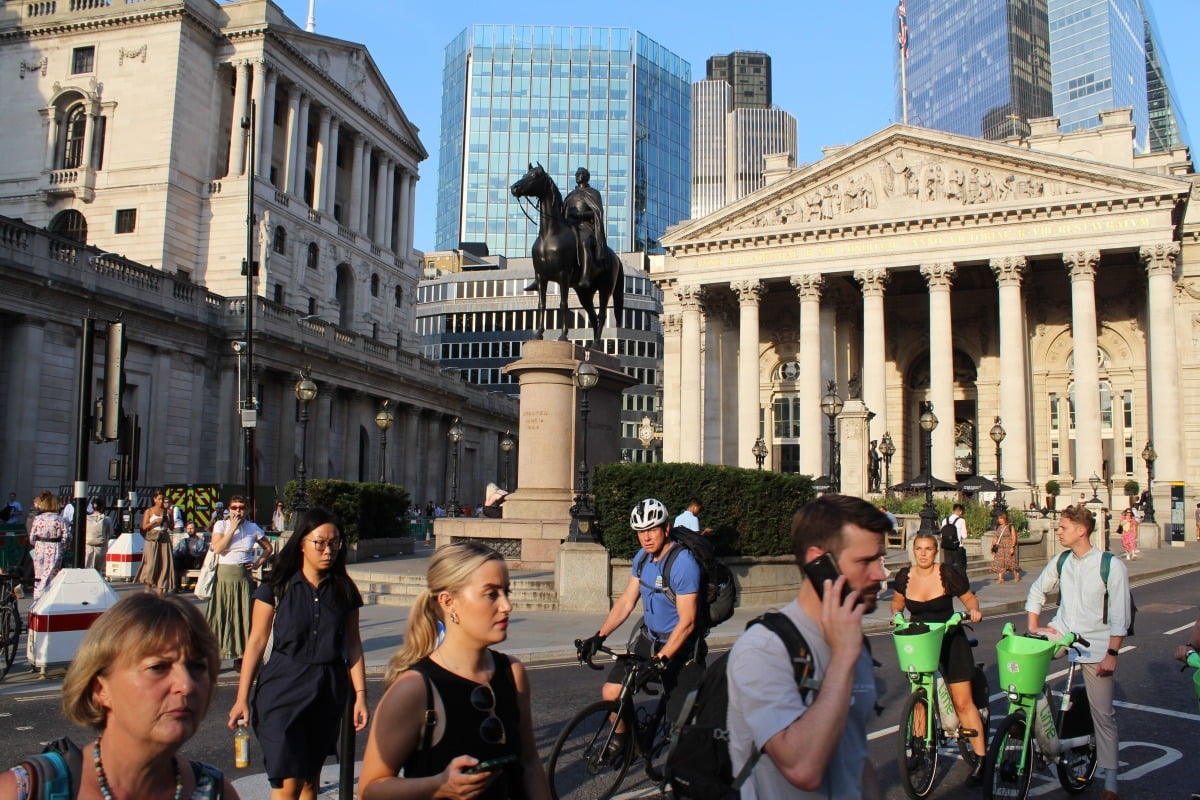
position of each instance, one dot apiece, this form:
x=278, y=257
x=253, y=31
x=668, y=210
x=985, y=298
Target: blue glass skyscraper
x=609, y=99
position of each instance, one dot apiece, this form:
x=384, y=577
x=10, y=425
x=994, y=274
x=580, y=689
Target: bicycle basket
x=1023, y=662
x=919, y=646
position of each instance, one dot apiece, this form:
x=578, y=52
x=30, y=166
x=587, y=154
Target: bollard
x=346, y=749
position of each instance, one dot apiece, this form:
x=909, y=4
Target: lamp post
x=582, y=516
x=887, y=449
x=831, y=406
x=506, y=446
x=760, y=451
x=455, y=435
x=998, y=433
x=306, y=392
x=384, y=420
x=1148, y=455
x=1095, y=482
x=928, y=514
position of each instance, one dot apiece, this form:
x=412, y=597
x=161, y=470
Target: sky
x=832, y=61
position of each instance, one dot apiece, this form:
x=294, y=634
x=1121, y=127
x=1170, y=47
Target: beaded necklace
x=106, y=791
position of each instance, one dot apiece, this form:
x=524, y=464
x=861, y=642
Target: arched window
x=280, y=243
x=75, y=129
x=70, y=224
x=399, y=296
x=314, y=255
x=344, y=293
x=375, y=284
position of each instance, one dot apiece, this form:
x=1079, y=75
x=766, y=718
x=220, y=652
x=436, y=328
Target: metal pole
x=83, y=432
x=383, y=455
x=248, y=397
x=300, y=500
x=346, y=749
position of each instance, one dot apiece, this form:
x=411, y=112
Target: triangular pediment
x=905, y=173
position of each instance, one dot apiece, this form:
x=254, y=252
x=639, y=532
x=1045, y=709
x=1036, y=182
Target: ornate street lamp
x=384, y=420
x=1148, y=455
x=582, y=516
x=831, y=406
x=1095, y=482
x=760, y=451
x=928, y=513
x=455, y=435
x=506, y=445
x=306, y=392
x=887, y=449
x=998, y=433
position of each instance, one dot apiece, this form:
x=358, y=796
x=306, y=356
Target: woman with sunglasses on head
x=479, y=697
x=228, y=611
x=309, y=611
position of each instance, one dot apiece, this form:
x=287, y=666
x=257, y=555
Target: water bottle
x=946, y=706
x=1044, y=728
x=241, y=745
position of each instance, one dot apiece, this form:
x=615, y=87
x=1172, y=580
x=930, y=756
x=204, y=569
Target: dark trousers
x=957, y=559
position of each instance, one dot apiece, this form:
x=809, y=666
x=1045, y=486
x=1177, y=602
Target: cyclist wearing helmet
x=668, y=631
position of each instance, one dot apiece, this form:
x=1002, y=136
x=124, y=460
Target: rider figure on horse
x=585, y=212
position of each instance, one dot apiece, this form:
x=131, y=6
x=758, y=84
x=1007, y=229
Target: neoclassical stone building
x=1051, y=282
x=128, y=163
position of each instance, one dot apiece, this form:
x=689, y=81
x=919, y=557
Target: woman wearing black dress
x=927, y=589
x=310, y=606
x=479, y=697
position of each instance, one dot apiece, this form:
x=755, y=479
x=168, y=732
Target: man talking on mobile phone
x=814, y=743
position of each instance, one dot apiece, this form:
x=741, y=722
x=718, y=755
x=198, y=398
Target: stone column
x=89, y=134
x=690, y=367
x=1166, y=421
x=329, y=196
x=353, y=218
x=809, y=287
x=364, y=202
x=412, y=204
x=729, y=389
x=258, y=88
x=715, y=322
x=874, y=387
x=748, y=293
x=297, y=178
x=237, y=136
x=50, y=117
x=266, y=125
x=320, y=159
x=1013, y=392
x=389, y=204
x=320, y=432
x=941, y=367
x=1082, y=268
x=403, y=245
x=670, y=321
x=411, y=416
x=291, y=159
x=377, y=235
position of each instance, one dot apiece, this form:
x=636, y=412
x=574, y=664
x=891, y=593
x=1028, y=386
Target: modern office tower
x=1103, y=55
x=729, y=145
x=747, y=72
x=974, y=67
x=609, y=99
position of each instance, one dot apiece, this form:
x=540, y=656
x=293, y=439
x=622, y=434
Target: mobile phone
x=491, y=765
x=824, y=568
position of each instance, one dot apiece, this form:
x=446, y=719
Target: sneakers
x=975, y=776
x=615, y=749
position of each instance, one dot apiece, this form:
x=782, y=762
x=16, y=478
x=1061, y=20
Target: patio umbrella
x=822, y=483
x=917, y=483
x=978, y=483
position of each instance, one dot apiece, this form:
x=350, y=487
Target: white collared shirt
x=1081, y=600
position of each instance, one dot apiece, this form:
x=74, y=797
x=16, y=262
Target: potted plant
x=1131, y=491
x=1053, y=490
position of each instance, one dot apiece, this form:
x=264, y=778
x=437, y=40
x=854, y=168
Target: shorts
x=957, y=663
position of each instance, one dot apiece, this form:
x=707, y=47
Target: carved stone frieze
x=671, y=323
x=132, y=53
x=35, y=66
x=689, y=296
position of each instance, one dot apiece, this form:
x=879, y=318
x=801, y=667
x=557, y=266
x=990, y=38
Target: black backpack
x=698, y=765
x=719, y=598
x=949, y=535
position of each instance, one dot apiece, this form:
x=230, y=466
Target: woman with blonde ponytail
x=479, y=698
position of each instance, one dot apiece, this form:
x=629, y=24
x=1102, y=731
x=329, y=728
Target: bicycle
x=926, y=725
x=10, y=623
x=1033, y=736
x=582, y=763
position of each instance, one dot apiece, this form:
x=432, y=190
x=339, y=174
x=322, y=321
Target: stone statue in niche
x=873, y=468
x=854, y=386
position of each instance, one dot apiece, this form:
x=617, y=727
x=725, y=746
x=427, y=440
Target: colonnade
x=376, y=202
x=693, y=305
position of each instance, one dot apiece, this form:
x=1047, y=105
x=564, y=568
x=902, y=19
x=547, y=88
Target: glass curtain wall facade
x=1167, y=127
x=609, y=99
x=976, y=67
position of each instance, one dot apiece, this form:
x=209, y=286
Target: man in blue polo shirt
x=669, y=631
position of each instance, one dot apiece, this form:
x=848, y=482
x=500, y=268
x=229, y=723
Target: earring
x=454, y=617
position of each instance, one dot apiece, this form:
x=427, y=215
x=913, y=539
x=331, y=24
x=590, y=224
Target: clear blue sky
x=832, y=61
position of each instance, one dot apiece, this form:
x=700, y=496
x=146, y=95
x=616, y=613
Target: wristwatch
x=1114, y=653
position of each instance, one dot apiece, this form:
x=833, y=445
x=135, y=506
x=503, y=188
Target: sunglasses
x=237, y=508
x=491, y=730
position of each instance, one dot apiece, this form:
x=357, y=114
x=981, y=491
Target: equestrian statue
x=571, y=249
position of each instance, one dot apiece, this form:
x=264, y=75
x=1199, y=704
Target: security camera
x=238, y=346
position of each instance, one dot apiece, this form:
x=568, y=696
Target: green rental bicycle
x=1034, y=734
x=929, y=719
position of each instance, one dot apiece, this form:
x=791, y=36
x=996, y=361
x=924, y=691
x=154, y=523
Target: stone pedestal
x=582, y=577
x=1149, y=536
x=853, y=428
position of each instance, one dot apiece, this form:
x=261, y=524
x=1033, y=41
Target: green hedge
x=977, y=516
x=367, y=510
x=749, y=510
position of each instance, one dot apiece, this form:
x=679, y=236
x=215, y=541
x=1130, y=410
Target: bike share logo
x=1014, y=667
x=908, y=649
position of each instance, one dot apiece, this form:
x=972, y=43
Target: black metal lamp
x=384, y=420
x=760, y=451
x=455, y=435
x=998, y=433
x=506, y=445
x=1148, y=455
x=831, y=406
x=929, y=515
x=887, y=449
x=305, y=391
x=582, y=517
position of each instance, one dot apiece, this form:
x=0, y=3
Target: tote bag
x=207, y=579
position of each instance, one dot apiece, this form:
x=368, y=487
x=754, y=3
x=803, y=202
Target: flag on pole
x=902, y=36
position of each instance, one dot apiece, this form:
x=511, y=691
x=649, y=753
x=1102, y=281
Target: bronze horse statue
x=556, y=258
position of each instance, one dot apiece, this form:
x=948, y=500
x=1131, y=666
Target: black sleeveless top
x=461, y=736
x=940, y=608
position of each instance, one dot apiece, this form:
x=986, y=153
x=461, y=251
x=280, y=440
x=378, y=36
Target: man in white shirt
x=689, y=517
x=957, y=558
x=1082, y=610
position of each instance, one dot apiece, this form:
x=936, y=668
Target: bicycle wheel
x=918, y=752
x=1004, y=775
x=10, y=633
x=1077, y=766
x=579, y=768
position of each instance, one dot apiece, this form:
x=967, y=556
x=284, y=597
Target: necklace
x=107, y=793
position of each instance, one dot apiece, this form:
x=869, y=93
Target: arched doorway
x=344, y=293
x=964, y=420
